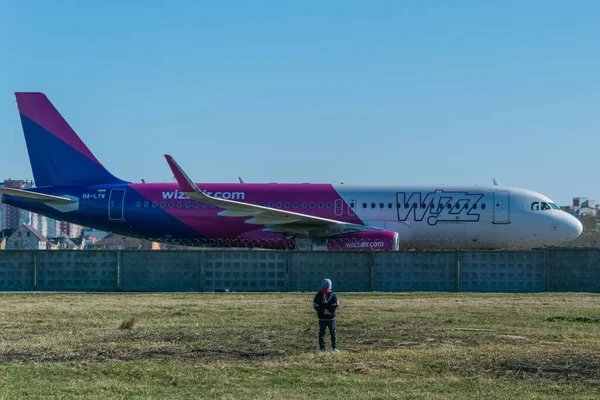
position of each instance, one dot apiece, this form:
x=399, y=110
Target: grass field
x=229, y=345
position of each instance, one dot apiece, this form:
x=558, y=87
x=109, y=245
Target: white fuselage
x=475, y=217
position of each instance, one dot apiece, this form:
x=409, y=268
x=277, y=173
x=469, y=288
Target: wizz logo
x=438, y=206
x=177, y=195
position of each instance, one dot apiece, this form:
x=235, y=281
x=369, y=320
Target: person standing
x=326, y=304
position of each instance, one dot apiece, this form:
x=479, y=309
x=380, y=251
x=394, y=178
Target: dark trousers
x=323, y=325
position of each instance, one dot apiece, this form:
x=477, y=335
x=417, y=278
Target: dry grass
x=128, y=323
x=230, y=345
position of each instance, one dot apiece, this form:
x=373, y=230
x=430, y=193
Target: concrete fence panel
x=415, y=271
x=350, y=271
x=161, y=271
x=245, y=271
x=503, y=271
x=87, y=271
x=17, y=270
x=574, y=270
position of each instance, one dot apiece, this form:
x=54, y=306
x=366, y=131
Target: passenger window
x=474, y=207
x=312, y=204
x=545, y=206
x=398, y=205
x=195, y=204
x=295, y=204
x=203, y=205
x=483, y=206
x=278, y=204
x=405, y=205
x=389, y=205
x=372, y=205
x=466, y=206
x=456, y=206
x=329, y=205
x=414, y=205
x=423, y=205
x=380, y=205
x=271, y=204
x=320, y=205
x=178, y=204
x=187, y=204
x=146, y=204
x=431, y=206
x=262, y=203
x=364, y=205
x=303, y=204
x=138, y=204
x=351, y=205
x=287, y=205
x=171, y=204
x=440, y=206
x=163, y=204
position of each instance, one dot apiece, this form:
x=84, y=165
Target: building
x=26, y=237
x=118, y=242
x=69, y=230
x=62, y=243
x=583, y=207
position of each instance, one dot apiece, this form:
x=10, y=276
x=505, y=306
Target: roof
x=63, y=239
x=35, y=232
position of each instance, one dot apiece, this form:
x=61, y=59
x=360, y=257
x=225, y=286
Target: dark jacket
x=326, y=304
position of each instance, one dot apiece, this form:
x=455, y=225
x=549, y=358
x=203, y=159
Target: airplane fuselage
x=442, y=217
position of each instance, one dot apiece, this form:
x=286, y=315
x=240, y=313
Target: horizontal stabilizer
x=33, y=196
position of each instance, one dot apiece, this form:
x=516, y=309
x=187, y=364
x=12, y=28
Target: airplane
x=72, y=185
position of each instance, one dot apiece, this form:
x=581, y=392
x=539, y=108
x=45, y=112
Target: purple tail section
x=58, y=156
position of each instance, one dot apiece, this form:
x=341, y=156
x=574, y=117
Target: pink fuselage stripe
x=205, y=220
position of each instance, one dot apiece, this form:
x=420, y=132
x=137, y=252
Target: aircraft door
x=116, y=202
x=338, y=207
x=501, y=207
x=352, y=207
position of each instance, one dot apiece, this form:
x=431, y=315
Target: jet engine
x=369, y=240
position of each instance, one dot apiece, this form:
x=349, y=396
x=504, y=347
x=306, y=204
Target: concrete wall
x=161, y=271
x=17, y=270
x=245, y=271
x=89, y=271
x=412, y=271
x=495, y=271
x=574, y=270
x=349, y=272
x=249, y=270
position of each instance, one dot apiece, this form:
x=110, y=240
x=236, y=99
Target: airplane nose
x=572, y=227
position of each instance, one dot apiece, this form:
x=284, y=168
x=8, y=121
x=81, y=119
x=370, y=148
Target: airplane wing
x=33, y=196
x=275, y=220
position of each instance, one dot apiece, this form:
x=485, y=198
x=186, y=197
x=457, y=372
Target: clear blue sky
x=388, y=92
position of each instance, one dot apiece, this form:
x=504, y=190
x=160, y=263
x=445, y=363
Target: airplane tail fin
x=58, y=156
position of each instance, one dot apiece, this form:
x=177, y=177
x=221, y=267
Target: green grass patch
x=233, y=345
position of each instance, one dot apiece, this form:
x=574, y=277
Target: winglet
x=184, y=181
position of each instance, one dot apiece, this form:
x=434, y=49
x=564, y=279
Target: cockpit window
x=537, y=206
